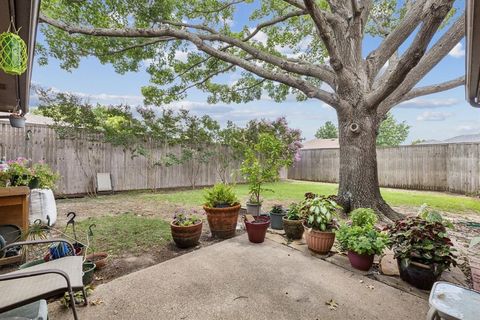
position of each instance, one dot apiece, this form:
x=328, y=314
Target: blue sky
x=437, y=116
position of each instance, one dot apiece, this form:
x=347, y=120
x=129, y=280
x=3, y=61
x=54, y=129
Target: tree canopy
x=327, y=131
x=274, y=44
x=308, y=49
x=390, y=133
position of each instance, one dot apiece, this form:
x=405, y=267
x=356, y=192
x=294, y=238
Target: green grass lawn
x=126, y=233
x=289, y=191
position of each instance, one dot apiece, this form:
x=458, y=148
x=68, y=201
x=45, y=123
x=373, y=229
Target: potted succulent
x=186, y=228
x=276, y=217
x=222, y=207
x=319, y=223
x=293, y=223
x=422, y=248
x=360, y=239
x=257, y=228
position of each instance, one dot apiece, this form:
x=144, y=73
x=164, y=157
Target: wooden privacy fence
x=440, y=167
x=80, y=159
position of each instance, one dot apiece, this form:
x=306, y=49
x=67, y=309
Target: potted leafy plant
x=293, y=223
x=257, y=228
x=276, y=217
x=261, y=165
x=186, y=228
x=422, y=248
x=360, y=239
x=222, y=207
x=319, y=223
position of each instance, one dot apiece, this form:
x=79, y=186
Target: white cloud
x=434, y=116
x=468, y=128
x=458, y=51
x=181, y=55
x=423, y=103
x=260, y=37
x=101, y=98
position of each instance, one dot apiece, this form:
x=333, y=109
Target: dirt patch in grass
x=134, y=232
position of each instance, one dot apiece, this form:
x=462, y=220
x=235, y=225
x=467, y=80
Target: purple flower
x=298, y=157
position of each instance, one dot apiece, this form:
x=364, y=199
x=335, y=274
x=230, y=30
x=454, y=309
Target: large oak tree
x=312, y=49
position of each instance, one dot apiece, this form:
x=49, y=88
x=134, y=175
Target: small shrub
x=277, y=208
x=319, y=213
x=423, y=239
x=363, y=217
x=220, y=194
x=183, y=218
x=362, y=240
x=293, y=212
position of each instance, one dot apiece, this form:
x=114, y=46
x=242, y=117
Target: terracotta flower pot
x=222, y=221
x=417, y=276
x=99, y=258
x=186, y=237
x=360, y=261
x=293, y=228
x=319, y=241
x=258, y=229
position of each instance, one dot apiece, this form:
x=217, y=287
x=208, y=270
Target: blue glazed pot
x=276, y=220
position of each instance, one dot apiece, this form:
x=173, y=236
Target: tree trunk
x=358, y=179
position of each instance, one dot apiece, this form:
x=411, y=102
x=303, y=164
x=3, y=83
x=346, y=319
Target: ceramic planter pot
x=88, y=270
x=254, y=209
x=222, y=221
x=360, y=261
x=319, y=241
x=99, y=258
x=276, y=220
x=188, y=236
x=417, y=276
x=257, y=229
x=17, y=122
x=293, y=228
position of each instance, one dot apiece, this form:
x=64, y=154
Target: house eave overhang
x=25, y=16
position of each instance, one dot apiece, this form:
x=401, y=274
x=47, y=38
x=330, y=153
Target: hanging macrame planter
x=13, y=52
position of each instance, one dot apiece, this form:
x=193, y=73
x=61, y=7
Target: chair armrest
x=33, y=242
x=26, y=274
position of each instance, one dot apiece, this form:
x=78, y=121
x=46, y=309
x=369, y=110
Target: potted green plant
x=361, y=239
x=186, y=228
x=222, y=207
x=422, y=248
x=276, y=217
x=319, y=223
x=293, y=223
x=257, y=229
x=262, y=164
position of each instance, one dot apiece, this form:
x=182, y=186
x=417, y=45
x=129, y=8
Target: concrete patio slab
x=235, y=279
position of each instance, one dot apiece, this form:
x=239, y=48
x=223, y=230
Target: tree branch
x=439, y=87
x=443, y=46
x=415, y=52
x=208, y=77
x=378, y=57
x=198, y=40
x=301, y=69
x=325, y=32
x=225, y=6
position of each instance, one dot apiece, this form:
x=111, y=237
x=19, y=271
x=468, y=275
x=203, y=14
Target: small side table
x=451, y=302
